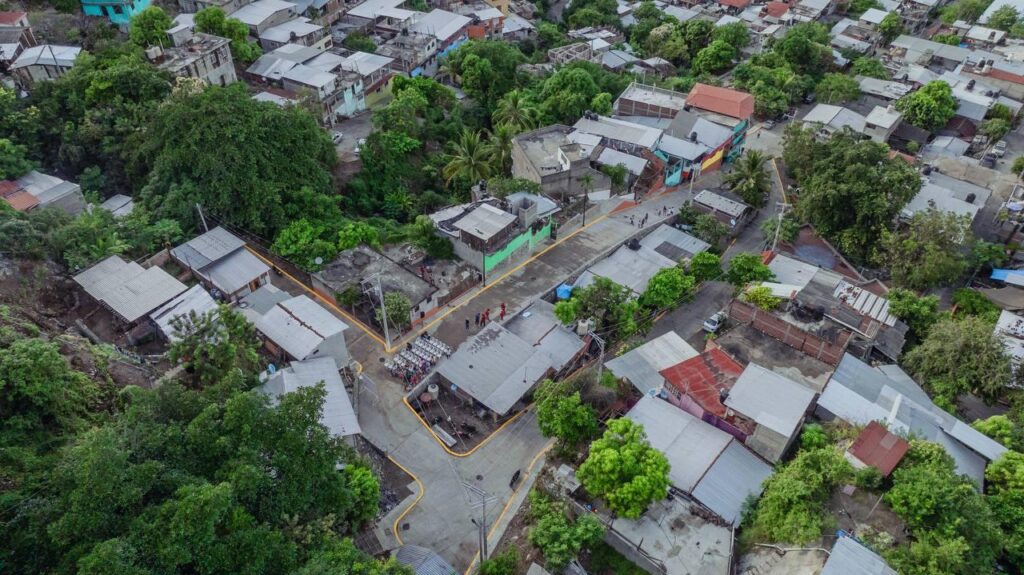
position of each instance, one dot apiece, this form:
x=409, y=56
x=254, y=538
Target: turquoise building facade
x=119, y=12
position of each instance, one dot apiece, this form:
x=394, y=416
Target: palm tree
x=471, y=158
x=515, y=110
x=500, y=145
x=750, y=179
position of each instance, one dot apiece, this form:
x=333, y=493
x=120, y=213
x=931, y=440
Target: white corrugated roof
x=642, y=365
x=338, y=415
x=128, y=289
x=770, y=399
x=485, y=221
x=196, y=300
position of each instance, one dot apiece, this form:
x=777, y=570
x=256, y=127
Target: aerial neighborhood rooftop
x=504, y=287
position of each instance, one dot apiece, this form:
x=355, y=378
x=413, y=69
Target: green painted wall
x=492, y=261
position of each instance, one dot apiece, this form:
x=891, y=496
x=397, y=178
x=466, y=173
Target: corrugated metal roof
x=642, y=366
x=338, y=415
x=865, y=302
x=203, y=250
x=195, y=300
x=128, y=289
x=849, y=557
x=484, y=221
x=859, y=394
x=721, y=203
x=736, y=475
x=297, y=324
x=770, y=399
x=538, y=326
x=878, y=447
x=673, y=244
x=423, y=561
x=703, y=378
x=690, y=445
x=235, y=271
x=496, y=367
x=628, y=268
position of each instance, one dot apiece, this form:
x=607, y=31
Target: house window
x=117, y=9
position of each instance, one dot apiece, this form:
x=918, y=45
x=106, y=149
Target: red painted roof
x=704, y=377
x=723, y=101
x=9, y=18
x=8, y=187
x=776, y=9
x=877, y=447
x=21, y=200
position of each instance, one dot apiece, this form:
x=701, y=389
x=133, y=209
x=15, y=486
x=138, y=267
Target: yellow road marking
x=394, y=526
x=508, y=504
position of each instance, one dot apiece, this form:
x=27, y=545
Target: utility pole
x=375, y=288
x=778, y=226
x=693, y=178
x=202, y=218
x=482, y=524
x=600, y=361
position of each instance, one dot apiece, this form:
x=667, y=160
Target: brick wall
x=789, y=334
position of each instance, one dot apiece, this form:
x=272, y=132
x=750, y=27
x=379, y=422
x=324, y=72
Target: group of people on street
x=482, y=319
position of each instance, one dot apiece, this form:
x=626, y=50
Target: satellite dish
x=319, y=260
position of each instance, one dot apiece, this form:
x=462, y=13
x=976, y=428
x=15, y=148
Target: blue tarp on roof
x=564, y=291
x=1001, y=275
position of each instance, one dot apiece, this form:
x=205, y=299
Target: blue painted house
x=119, y=12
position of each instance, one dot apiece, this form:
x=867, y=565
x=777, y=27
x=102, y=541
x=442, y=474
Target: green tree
x=705, y=266
x=515, y=110
x=805, y=48
x=995, y=128
x=359, y=42
x=39, y=391
x=1003, y=18
x=870, y=67
x=762, y=297
x=749, y=179
x=559, y=538
x=709, y=229
x=837, y=88
x=149, y=27
x=929, y=107
x=967, y=10
x=13, y=163
x=971, y=302
x=858, y=7
x=948, y=39
x=624, y=470
x=1006, y=473
x=487, y=69
x=471, y=160
x=500, y=144
x=961, y=356
x=792, y=503
x=566, y=94
x=999, y=428
x=1008, y=508
x=928, y=251
x=561, y=414
x=667, y=289
x=504, y=563
x=214, y=21
x=90, y=237
x=918, y=312
x=890, y=27
x=715, y=57
x=353, y=234
x=272, y=165
x=211, y=345
x=745, y=268
x=602, y=300
x=734, y=34
x=850, y=189
x=788, y=230
x=343, y=558
x=398, y=309
x=302, y=242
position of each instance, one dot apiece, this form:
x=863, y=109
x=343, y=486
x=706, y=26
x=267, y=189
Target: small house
x=877, y=447
x=222, y=262
x=127, y=289
x=295, y=327
x=337, y=414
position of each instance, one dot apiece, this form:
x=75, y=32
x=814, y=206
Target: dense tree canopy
x=253, y=164
x=931, y=250
x=929, y=107
x=850, y=189
x=624, y=470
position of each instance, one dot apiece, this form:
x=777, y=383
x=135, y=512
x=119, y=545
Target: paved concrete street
x=442, y=517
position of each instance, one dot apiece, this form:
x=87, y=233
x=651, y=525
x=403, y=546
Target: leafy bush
x=762, y=297
x=869, y=478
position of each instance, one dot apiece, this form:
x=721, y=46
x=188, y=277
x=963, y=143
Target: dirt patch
x=457, y=423
x=394, y=483
x=864, y=515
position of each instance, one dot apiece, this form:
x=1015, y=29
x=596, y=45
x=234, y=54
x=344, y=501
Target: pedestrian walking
x=477, y=319
x=467, y=323
x=502, y=315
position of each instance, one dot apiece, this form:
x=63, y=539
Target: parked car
x=359, y=144
x=999, y=150
x=337, y=137
x=715, y=322
x=769, y=124
x=810, y=99
x=989, y=161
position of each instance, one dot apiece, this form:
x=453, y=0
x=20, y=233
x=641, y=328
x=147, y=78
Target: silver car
x=715, y=322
